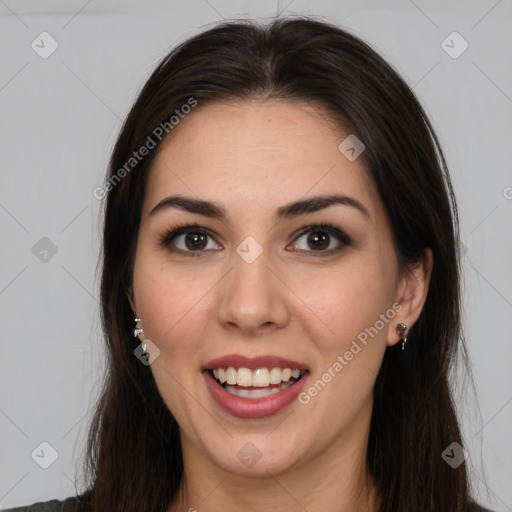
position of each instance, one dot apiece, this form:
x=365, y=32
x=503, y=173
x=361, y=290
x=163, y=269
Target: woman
x=281, y=235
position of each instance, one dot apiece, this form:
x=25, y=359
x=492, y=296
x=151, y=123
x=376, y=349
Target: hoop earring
x=136, y=332
x=401, y=328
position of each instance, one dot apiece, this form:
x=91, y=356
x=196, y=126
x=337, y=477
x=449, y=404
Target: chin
x=255, y=456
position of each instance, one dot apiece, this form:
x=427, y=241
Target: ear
x=411, y=294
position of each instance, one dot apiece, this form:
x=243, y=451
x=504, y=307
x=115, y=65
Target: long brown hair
x=133, y=457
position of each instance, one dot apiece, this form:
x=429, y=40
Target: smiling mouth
x=258, y=383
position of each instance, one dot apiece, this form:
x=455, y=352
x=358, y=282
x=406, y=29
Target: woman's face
x=256, y=288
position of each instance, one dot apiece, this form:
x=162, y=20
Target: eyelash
x=176, y=230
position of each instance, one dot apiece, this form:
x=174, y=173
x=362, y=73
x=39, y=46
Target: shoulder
x=72, y=504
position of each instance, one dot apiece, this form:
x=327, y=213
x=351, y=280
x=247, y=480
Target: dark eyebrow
x=316, y=203
x=214, y=210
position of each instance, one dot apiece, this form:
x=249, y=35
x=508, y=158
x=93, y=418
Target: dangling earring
x=400, y=330
x=136, y=332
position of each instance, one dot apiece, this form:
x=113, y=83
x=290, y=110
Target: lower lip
x=253, y=407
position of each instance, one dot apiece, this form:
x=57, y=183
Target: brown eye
x=195, y=240
x=189, y=241
x=318, y=240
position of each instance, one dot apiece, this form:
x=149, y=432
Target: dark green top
x=68, y=505
x=72, y=505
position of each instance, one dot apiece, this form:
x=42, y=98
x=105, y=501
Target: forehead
x=256, y=153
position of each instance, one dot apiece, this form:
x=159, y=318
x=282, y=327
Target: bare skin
x=294, y=300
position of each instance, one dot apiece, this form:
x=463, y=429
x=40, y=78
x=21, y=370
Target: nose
x=253, y=297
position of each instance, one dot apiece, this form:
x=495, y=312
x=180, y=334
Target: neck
x=337, y=480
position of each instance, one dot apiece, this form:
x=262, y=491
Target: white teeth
x=257, y=393
x=220, y=374
x=231, y=376
x=244, y=377
x=275, y=376
x=286, y=374
x=260, y=377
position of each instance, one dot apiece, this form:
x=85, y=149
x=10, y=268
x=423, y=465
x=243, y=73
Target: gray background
x=59, y=119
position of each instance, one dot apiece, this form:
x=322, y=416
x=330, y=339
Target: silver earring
x=136, y=332
x=401, y=329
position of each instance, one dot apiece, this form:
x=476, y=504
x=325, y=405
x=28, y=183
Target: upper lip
x=267, y=361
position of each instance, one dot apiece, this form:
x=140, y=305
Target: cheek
x=353, y=310
x=173, y=307
x=168, y=302
x=345, y=303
